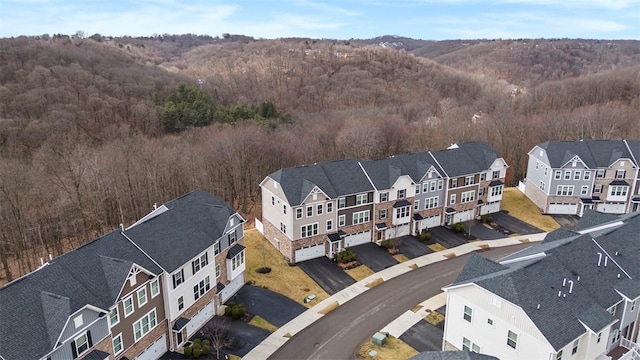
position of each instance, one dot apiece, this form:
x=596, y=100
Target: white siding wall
x=274, y=213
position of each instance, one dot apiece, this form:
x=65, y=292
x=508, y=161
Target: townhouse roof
x=466, y=158
x=591, y=218
x=38, y=305
x=634, y=148
x=384, y=172
x=192, y=223
x=594, y=153
x=571, y=282
x=335, y=178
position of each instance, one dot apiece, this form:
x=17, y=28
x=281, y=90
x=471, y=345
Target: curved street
x=339, y=334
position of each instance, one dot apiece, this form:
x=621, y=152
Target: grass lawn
x=359, y=273
x=284, y=279
x=520, y=207
x=436, y=247
x=262, y=323
x=400, y=258
x=393, y=349
x=434, y=318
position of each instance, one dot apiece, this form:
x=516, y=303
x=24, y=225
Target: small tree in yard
x=217, y=332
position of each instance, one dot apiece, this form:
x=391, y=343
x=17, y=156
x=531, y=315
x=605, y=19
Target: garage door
x=463, y=216
x=611, y=208
x=430, y=222
x=310, y=252
x=155, y=350
x=199, y=319
x=490, y=208
x=563, y=208
x=357, y=239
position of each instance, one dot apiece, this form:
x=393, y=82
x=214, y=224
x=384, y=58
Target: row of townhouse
x=575, y=296
x=132, y=293
x=569, y=177
x=318, y=210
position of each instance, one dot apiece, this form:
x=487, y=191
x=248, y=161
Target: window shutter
x=89, y=339
x=73, y=349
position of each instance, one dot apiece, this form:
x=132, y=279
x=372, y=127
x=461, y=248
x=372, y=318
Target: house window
x=180, y=303
x=77, y=321
x=402, y=212
x=537, y=165
x=475, y=348
x=567, y=174
x=416, y=205
x=199, y=263
x=342, y=203
x=542, y=185
x=512, y=339
x=559, y=355
x=612, y=310
x=496, y=190
x=201, y=288
x=431, y=203
x=273, y=201
x=319, y=209
x=454, y=183
x=114, y=316
x=238, y=261
x=468, y=180
x=546, y=171
x=557, y=175
x=143, y=326
x=496, y=174
x=618, y=190
x=440, y=184
x=418, y=189
x=480, y=191
x=466, y=344
x=599, y=337
x=341, y=220
x=452, y=199
x=577, y=175
x=483, y=176
x=469, y=196
x=361, y=217
x=402, y=193
x=142, y=296
x=82, y=343
x=218, y=271
x=128, y=306
x=309, y=211
x=232, y=237
x=283, y=228
x=597, y=189
x=620, y=174
x=467, y=313
x=329, y=207
x=584, y=190
x=586, y=175
x=382, y=214
x=309, y=230
x=329, y=225
x=284, y=209
x=432, y=186
x=490, y=322
x=574, y=348
x=216, y=248
x=155, y=288
x=117, y=344
x=425, y=186
x=299, y=213
x=361, y=199
x=564, y=190
x=600, y=173
x=384, y=196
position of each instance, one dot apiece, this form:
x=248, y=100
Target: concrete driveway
x=514, y=225
x=447, y=237
x=327, y=274
x=424, y=336
x=484, y=233
x=374, y=257
x=271, y=306
x=411, y=247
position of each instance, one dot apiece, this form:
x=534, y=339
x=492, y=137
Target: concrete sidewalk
x=407, y=320
x=272, y=343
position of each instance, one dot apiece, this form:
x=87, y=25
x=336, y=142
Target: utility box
x=379, y=339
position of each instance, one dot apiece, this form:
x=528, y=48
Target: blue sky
x=420, y=19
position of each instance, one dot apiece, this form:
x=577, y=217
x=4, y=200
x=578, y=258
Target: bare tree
x=217, y=331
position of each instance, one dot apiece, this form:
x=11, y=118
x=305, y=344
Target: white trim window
x=237, y=261
x=403, y=212
x=342, y=202
x=155, y=287
x=432, y=185
x=564, y=190
x=557, y=175
x=361, y=199
x=309, y=211
x=319, y=209
x=117, y=344
x=469, y=180
x=402, y=193
x=329, y=207
x=360, y=217
x=382, y=213
x=309, y=230
x=199, y=263
x=284, y=209
x=342, y=220
x=82, y=344
x=142, y=296
x=114, y=317
x=440, y=184
x=587, y=175
x=180, y=303
x=425, y=187
x=567, y=174
x=616, y=190
x=178, y=276
x=454, y=183
x=468, y=196
x=577, y=175
x=218, y=271
x=599, y=173
x=283, y=228
x=233, y=236
x=584, y=190
x=201, y=288
x=416, y=205
x=143, y=326
x=299, y=213
x=418, y=187
x=127, y=304
x=597, y=188
x=574, y=347
x=384, y=196
x=452, y=199
x=497, y=190
x=468, y=313
x=431, y=203
x=329, y=225
x=620, y=174
x=512, y=339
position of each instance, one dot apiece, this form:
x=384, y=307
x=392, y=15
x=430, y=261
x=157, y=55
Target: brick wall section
x=385, y=205
x=189, y=312
x=271, y=233
x=104, y=345
x=147, y=340
x=537, y=196
x=352, y=229
x=431, y=212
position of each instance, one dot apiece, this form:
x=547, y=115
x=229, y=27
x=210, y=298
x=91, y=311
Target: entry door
x=448, y=219
x=179, y=338
x=335, y=247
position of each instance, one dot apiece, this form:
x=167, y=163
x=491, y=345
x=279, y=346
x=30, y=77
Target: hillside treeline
x=82, y=147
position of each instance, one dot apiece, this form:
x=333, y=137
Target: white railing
x=634, y=349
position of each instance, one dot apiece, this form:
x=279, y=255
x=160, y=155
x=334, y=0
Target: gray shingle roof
x=384, y=172
x=592, y=218
x=594, y=153
x=634, y=147
x=596, y=318
x=467, y=158
x=559, y=234
x=87, y=275
x=335, y=178
x=192, y=224
x=629, y=288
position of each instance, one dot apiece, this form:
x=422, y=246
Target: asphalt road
x=339, y=334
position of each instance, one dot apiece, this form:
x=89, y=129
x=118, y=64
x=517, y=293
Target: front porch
x=626, y=351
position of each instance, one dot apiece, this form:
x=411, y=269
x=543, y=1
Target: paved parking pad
x=271, y=306
x=374, y=257
x=412, y=248
x=244, y=337
x=514, y=225
x=447, y=237
x=424, y=337
x=327, y=274
x=484, y=233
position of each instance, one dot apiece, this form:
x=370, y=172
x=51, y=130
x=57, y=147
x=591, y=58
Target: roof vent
x=121, y=227
x=155, y=206
x=570, y=286
x=564, y=282
x=599, y=258
x=617, y=253
x=559, y=293
x=538, y=307
x=578, y=278
x=618, y=276
x=605, y=261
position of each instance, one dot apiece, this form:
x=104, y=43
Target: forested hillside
x=83, y=144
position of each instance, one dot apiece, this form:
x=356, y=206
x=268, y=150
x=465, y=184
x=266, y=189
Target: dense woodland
x=83, y=145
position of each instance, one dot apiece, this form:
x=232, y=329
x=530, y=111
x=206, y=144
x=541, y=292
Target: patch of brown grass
x=359, y=273
x=413, y=266
x=400, y=258
x=262, y=323
x=484, y=246
x=416, y=308
x=434, y=318
x=519, y=206
x=449, y=255
x=436, y=247
x=375, y=283
x=287, y=280
x=334, y=305
x=393, y=349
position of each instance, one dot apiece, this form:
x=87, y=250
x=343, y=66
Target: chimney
x=121, y=227
x=41, y=262
x=155, y=206
x=50, y=257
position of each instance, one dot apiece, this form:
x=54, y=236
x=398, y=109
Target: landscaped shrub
x=227, y=310
x=196, y=352
x=206, y=342
x=424, y=235
x=346, y=256
x=387, y=244
x=188, y=351
x=235, y=311
x=206, y=349
x=487, y=219
x=197, y=345
x=457, y=227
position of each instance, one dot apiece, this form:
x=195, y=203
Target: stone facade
x=536, y=195
x=146, y=341
x=285, y=245
x=105, y=345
